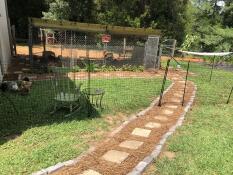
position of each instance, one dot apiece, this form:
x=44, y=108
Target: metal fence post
x=44, y=40
x=228, y=100
x=186, y=78
x=212, y=68
x=164, y=82
x=30, y=41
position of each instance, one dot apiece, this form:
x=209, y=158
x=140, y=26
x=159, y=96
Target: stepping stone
x=175, y=100
x=161, y=118
x=178, y=95
x=171, y=106
x=168, y=112
x=115, y=156
x=90, y=172
x=180, y=91
x=182, y=81
x=131, y=144
x=153, y=125
x=141, y=132
x=175, y=78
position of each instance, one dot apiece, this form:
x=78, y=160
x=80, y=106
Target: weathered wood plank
x=93, y=28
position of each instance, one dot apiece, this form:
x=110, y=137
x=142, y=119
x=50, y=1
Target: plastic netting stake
x=186, y=79
x=228, y=100
x=164, y=82
x=211, y=73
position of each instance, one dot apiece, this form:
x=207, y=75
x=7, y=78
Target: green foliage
x=189, y=42
x=210, y=38
x=210, y=30
x=170, y=16
x=108, y=68
x=132, y=68
x=228, y=14
x=92, y=67
x=20, y=10
x=64, y=69
x=82, y=11
x=59, y=9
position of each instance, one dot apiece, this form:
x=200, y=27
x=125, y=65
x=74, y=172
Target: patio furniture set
x=68, y=93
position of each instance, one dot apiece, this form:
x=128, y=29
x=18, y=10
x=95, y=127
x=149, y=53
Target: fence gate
x=151, y=53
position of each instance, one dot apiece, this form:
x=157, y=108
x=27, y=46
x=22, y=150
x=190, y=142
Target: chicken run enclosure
x=85, y=68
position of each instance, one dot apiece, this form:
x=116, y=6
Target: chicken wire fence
x=26, y=103
x=72, y=45
x=111, y=77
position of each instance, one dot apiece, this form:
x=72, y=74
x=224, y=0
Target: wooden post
x=13, y=39
x=30, y=42
x=65, y=37
x=61, y=47
x=173, y=48
x=124, y=46
x=89, y=107
x=164, y=82
x=159, y=66
x=186, y=78
x=43, y=40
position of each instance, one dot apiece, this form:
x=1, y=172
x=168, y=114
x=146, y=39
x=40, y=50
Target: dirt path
x=81, y=53
x=121, y=152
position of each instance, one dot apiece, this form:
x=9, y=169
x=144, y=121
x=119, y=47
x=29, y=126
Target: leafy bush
x=133, y=68
x=92, y=67
x=106, y=68
x=63, y=69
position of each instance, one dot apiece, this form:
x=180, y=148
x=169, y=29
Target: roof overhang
x=92, y=28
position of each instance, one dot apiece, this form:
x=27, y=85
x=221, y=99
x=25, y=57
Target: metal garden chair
x=67, y=92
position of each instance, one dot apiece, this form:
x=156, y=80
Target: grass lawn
x=204, y=144
x=43, y=140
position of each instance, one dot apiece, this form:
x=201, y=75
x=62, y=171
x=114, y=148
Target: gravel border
x=60, y=165
x=141, y=166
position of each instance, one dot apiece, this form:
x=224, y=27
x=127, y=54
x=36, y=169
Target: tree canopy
x=196, y=24
x=211, y=28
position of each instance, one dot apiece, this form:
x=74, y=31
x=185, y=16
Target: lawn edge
x=141, y=166
x=71, y=162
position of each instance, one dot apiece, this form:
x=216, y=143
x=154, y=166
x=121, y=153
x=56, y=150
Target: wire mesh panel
x=151, y=52
x=168, y=47
x=103, y=64
x=113, y=77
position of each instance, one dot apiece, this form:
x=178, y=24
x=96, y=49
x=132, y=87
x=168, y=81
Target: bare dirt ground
x=66, y=52
x=81, y=53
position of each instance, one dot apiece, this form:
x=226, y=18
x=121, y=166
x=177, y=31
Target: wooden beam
x=92, y=28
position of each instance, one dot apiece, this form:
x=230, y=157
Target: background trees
x=20, y=10
x=82, y=10
x=210, y=29
x=196, y=24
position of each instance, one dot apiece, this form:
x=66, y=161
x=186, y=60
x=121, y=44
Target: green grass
x=204, y=144
x=44, y=140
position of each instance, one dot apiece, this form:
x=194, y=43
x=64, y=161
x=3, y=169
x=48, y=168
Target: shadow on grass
x=34, y=111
